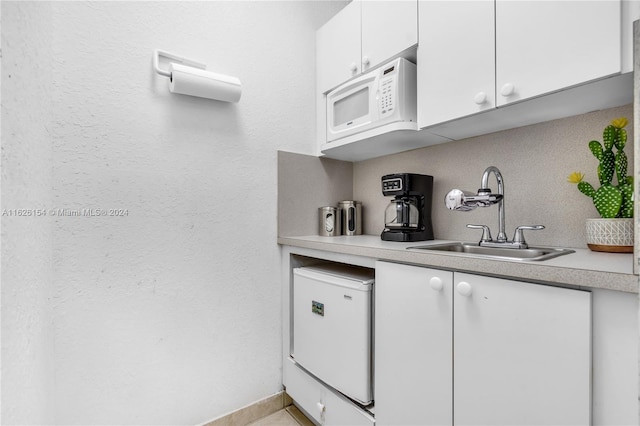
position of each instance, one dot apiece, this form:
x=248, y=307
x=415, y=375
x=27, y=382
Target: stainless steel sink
x=474, y=250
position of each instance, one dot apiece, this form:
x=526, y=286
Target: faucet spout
x=484, y=187
x=460, y=200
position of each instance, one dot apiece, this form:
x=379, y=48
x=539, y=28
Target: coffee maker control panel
x=393, y=184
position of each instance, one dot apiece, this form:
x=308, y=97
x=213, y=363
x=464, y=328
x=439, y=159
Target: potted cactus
x=613, y=232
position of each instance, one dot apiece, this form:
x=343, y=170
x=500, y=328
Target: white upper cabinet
x=474, y=56
x=456, y=60
x=361, y=36
x=544, y=46
x=338, y=48
x=482, y=65
x=388, y=28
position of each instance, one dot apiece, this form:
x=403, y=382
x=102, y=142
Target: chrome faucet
x=461, y=200
x=484, y=187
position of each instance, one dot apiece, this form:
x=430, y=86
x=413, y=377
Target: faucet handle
x=486, y=232
x=518, y=236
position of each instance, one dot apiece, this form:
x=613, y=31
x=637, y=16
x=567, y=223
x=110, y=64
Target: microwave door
x=351, y=107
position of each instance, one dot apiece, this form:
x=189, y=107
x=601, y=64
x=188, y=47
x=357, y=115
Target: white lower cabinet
x=522, y=353
x=456, y=348
x=413, y=352
x=318, y=401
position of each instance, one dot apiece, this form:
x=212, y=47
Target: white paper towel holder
x=191, y=78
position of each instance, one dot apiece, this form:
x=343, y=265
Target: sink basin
x=474, y=250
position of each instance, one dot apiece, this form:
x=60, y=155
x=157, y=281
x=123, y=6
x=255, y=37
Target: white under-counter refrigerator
x=332, y=326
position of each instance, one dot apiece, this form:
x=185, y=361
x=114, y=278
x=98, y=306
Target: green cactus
x=586, y=189
x=621, y=164
x=607, y=167
x=610, y=201
x=621, y=141
x=626, y=209
x=596, y=149
x=609, y=136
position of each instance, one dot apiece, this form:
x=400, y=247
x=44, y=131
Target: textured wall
x=27, y=281
x=326, y=182
x=170, y=314
x=534, y=161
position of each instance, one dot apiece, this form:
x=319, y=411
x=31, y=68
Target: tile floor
x=288, y=416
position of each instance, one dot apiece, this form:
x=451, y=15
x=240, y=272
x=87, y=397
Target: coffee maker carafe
x=408, y=215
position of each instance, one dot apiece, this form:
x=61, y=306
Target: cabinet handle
x=480, y=98
x=464, y=288
x=353, y=67
x=436, y=283
x=366, y=61
x=322, y=409
x=507, y=90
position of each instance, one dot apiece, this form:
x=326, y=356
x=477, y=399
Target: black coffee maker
x=408, y=215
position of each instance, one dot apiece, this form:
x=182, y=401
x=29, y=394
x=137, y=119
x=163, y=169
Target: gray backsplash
x=535, y=162
x=306, y=183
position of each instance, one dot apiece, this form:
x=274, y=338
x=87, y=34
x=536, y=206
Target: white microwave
x=379, y=97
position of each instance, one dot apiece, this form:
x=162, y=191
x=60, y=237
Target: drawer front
x=324, y=405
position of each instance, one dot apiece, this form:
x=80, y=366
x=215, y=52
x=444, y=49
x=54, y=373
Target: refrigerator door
x=332, y=328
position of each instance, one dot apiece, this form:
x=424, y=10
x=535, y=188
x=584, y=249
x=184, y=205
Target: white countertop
x=584, y=268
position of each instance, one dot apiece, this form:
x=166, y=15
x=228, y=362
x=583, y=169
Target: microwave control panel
x=388, y=89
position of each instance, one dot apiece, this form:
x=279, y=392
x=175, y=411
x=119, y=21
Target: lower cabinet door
x=413, y=354
x=324, y=405
x=522, y=353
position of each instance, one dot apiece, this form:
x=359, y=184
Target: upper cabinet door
x=338, y=48
x=545, y=46
x=456, y=59
x=388, y=28
x=361, y=36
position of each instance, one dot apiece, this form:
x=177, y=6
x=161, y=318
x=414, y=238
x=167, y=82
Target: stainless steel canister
x=328, y=221
x=351, y=213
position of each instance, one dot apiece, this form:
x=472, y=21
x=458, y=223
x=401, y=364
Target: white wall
x=171, y=314
x=27, y=280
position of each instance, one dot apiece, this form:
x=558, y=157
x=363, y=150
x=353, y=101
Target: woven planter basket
x=610, y=235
